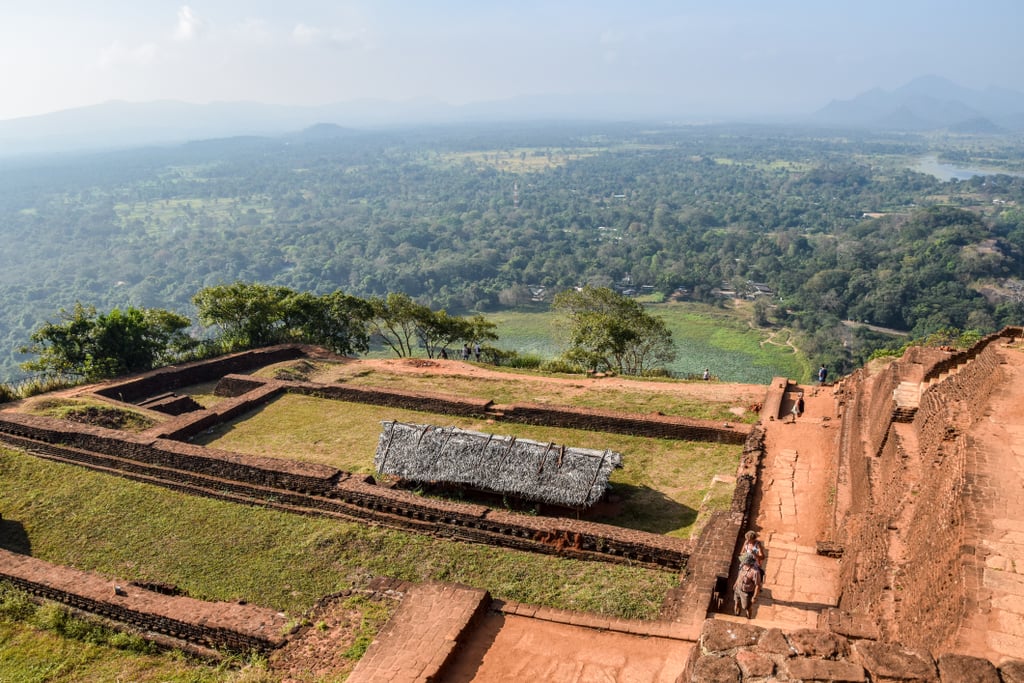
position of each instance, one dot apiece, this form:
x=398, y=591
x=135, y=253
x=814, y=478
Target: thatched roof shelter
x=542, y=472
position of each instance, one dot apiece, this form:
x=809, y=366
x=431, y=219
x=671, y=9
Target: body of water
x=945, y=172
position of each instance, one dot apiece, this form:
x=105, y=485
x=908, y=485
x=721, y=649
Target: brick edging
x=230, y=626
x=654, y=629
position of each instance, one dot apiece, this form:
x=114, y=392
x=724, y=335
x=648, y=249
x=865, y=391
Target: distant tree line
x=608, y=331
x=838, y=227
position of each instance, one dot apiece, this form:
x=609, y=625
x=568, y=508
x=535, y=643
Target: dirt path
x=712, y=391
x=771, y=340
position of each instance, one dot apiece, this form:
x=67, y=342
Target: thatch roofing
x=543, y=472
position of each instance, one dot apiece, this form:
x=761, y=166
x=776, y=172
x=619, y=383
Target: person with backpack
x=752, y=546
x=747, y=586
x=822, y=374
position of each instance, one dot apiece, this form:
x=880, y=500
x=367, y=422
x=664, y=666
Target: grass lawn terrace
x=662, y=487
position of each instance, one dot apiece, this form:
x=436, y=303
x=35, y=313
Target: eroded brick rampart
x=903, y=533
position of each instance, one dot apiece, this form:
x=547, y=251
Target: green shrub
x=8, y=393
x=43, y=385
x=524, y=361
x=560, y=366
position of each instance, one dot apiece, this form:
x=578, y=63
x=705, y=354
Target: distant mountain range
x=118, y=124
x=926, y=103
x=929, y=103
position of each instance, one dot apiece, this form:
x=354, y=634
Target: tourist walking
x=798, y=407
x=752, y=546
x=822, y=374
x=747, y=586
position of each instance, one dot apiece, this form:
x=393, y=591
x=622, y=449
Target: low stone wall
x=428, y=630
x=731, y=651
x=656, y=426
x=255, y=470
x=174, y=377
x=220, y=625
x=184, y=427
x=707, y=570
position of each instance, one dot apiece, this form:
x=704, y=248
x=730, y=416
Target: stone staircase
x=906, y=399
x=907, y=396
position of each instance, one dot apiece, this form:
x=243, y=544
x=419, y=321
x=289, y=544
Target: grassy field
x=222, y=551
x=216, y=550
x=661, y=485
x=721, y=339
x=582, y=392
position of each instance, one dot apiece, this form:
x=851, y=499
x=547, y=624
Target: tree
x=252, y=315
x=439, y=330
x=608, y=330
x=248, y=315
x=96, y=346
x=336, y=321
x=398, y=321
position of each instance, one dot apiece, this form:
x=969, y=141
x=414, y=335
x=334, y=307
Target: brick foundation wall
x=313, y=488
x=173, y=377
x=710, y=562
x=220, y=625
x=656, y=426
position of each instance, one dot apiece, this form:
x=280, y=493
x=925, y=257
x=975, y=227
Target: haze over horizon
x=735, y=58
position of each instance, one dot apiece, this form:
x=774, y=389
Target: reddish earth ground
x=740, y=394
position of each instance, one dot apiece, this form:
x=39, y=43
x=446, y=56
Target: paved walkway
x=514, y=648
x=796, y=488
x=421, y=638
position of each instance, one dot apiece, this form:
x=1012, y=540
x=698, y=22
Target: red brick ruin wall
x=173, y=377
x=317, y=488
x=934, y=536
x=653, y=425
x=910, y=498
x=221, y=625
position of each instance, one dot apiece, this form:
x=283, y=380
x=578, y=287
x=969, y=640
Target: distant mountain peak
x=927, y=103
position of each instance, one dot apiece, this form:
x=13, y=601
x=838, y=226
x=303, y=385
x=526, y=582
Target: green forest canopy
x=834, y=226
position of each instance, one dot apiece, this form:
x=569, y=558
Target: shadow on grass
x=644, y=509
x=13, y=537
x=630, y=507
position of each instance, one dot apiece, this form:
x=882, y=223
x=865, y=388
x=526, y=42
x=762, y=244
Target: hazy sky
x=709, y=57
